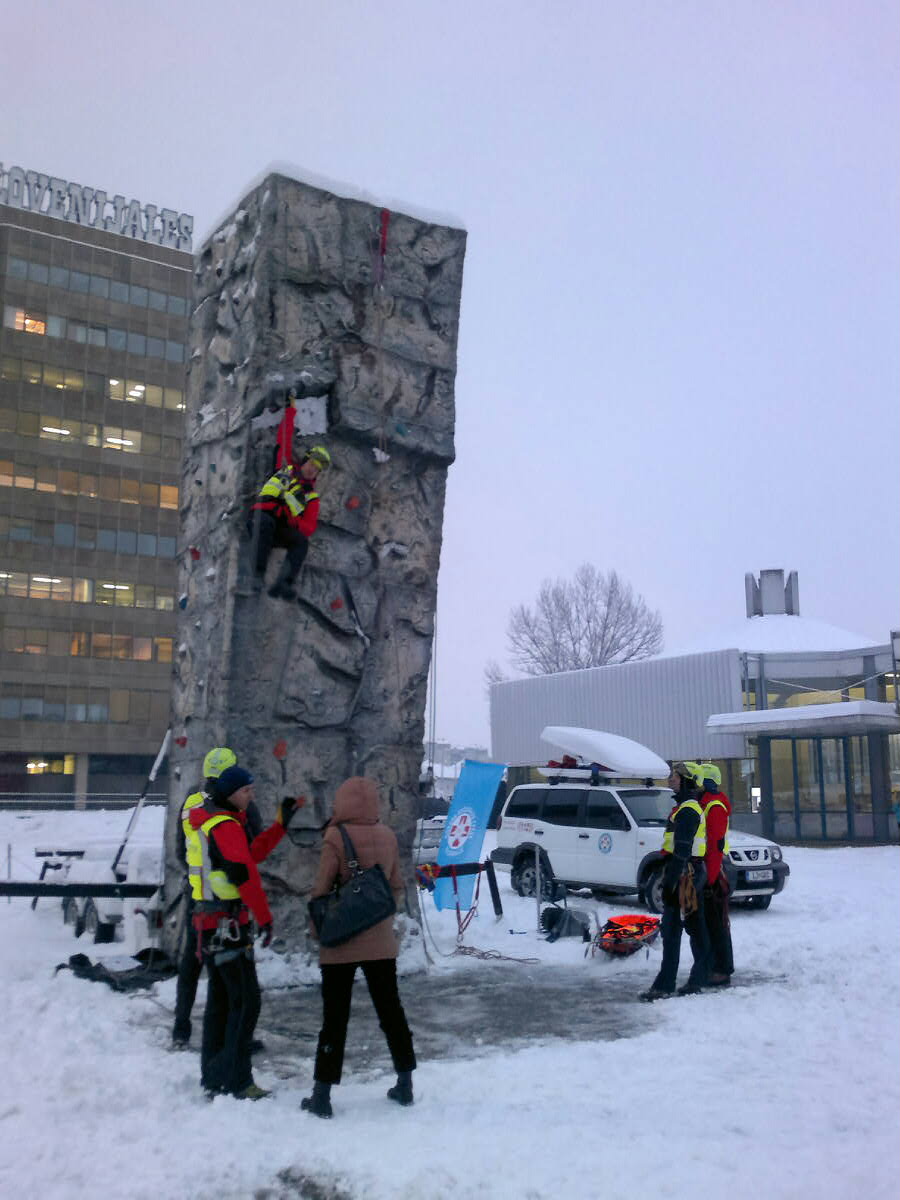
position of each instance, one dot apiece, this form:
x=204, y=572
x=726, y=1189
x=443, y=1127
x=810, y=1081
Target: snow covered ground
x=786, y=1087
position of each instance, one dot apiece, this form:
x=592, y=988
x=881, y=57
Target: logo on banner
x=461, y=829
x=605, y=843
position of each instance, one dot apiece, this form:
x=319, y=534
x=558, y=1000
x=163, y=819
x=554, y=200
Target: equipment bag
x=625, y=934
x=351, y=908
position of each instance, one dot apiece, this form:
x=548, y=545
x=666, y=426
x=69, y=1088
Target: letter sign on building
x=66, y=201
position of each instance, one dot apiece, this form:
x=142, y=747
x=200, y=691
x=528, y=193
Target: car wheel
x=760, y=902
x=652, y=890
x=99, y=931
x=523, y=879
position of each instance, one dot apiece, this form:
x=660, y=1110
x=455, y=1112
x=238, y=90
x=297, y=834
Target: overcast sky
x=678, y=349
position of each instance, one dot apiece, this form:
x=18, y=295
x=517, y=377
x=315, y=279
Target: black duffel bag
x=351, y=908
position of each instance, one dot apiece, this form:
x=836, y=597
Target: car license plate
x=759, y=876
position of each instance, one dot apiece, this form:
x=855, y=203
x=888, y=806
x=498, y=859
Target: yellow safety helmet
x=219, y=759
x=711, y=772
x=689, y=770
x=320, y=456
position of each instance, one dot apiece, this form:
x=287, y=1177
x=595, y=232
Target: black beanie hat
x=231, y=779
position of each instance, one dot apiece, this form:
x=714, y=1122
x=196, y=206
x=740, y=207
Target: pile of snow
x=776, y=633
x=787, y=1087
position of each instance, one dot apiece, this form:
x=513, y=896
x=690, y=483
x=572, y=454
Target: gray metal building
x=801, y=717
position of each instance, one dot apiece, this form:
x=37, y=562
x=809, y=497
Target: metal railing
x=44, y=801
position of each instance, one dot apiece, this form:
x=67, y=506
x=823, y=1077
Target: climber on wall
x=287, y=510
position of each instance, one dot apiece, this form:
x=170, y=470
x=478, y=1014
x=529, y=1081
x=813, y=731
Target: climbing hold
x=181, y=741
x=353, y=502
x=194, y=553
x=199, y=482
x=210, y=572
x=401, y=429
x=280, y=749
x=182, y=600
x=212, y=467
x=336, y=603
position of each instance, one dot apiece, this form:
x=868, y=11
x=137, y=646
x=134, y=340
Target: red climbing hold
x=195, y=553
x=352, y=503
x=280, y=749
x=336, y=603
x=181, y=741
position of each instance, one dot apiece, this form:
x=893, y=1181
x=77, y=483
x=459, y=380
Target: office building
x=94, y=294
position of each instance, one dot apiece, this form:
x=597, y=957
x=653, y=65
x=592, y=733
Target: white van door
x=608, y=841
x=558, y=829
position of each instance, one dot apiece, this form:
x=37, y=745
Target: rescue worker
x=286, y=514
x=684, y=876
x=717, y=810
x=227, y=889
x=190, y=964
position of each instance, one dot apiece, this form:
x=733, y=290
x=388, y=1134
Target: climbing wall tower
x=357, y=309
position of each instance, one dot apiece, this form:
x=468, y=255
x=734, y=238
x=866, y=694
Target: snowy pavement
x=534, y=1079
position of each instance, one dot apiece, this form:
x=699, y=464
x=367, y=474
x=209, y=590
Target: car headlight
x=775, y=853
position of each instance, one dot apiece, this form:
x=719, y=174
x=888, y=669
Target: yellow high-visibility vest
x=712, y=804
x=206, y=883
x=698, y=847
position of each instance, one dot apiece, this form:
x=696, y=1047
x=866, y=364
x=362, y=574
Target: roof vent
x=771, y=595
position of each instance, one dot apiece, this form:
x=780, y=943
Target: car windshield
x=648, y=806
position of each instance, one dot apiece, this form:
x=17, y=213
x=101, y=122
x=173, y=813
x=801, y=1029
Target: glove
x=265, y=934
x=287, y=808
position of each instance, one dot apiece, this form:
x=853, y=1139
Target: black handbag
x=351, y=908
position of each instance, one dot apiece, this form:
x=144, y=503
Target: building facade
x=92, y=374
x=802, y=718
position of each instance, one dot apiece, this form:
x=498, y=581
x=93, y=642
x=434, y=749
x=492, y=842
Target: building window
x=24, y=321
x=80, y=282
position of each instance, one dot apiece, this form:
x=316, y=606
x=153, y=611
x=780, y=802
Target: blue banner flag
x=464, y=829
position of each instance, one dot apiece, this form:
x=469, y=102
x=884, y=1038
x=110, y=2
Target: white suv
x=607, y=836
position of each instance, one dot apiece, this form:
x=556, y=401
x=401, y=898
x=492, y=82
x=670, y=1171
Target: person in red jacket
x=717, y=809
x=286, y=511
x=232, y=891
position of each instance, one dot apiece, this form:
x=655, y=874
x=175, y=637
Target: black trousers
x=189, y=968
x=337, y=989
x=718, y=926
x=672, y=926
x=229, y=1022
x=271, y=531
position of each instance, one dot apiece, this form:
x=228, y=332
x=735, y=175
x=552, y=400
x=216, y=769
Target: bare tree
x=589, y=621
x=493, y=673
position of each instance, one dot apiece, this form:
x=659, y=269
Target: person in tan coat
x=374, y=950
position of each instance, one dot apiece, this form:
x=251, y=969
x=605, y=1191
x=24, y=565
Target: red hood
x=707, y=797
x=201, y=813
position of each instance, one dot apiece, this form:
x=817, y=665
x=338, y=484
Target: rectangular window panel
x=126, y=543
x=79, y=645
x=88, y=486
x=100, y=286
x=101, y=645
x=146, y=544
x=17, y=268
x=20, y=531
x=28, y=424
x=150, y=494
x=61, y=589
x=68, y=483
x=175, y=352
x=118, y=291
x=55, y=709
x=105, y=592
x=80, y=282
x=76, y=704
x=35, y=641
x=83, y=591
x=151, y=443
x=74, y=380
x=54, y=377
x=6, y=472
x=140, y=706
x=159, y=709
x=32, y=372
x=10, y=708
x=155, y=347
x=166, y=547
x=134, y=391
x=165, y=602
x=7, y=420
x=106, y=540
x=142, y=648
x=131, y=439
x=38, y=272
x=121, y=646
x=14, y=641
x=157, y=300
x=163, y=649
x=116, y=389
x=58, y=643
x=39, y=588
x=109, y=484
x=144, y=596
x=178, y=306
x=32, y=706
x=56, y=327
x=137, y=343
x=59, y=277
x=175, y=399
x=116, y=339
x=98, y=705
x=97, y=335
x=63, y=534
x=13, y=317
x=10, y=369
x=124, y=595
x=24, y=476
x=130, y=492
x=46, y=481
x=139, y=296
x=77, y=333
x=118, y=705
x=153, y=396
x=43, y=530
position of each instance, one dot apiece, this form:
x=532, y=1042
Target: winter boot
x=252, y=1092
x=655, y=993
x=319, y=1103
x=402, y=1092
x=283, y=587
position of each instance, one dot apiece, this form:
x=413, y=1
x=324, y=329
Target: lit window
x=23, y=321
x=163, y=649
